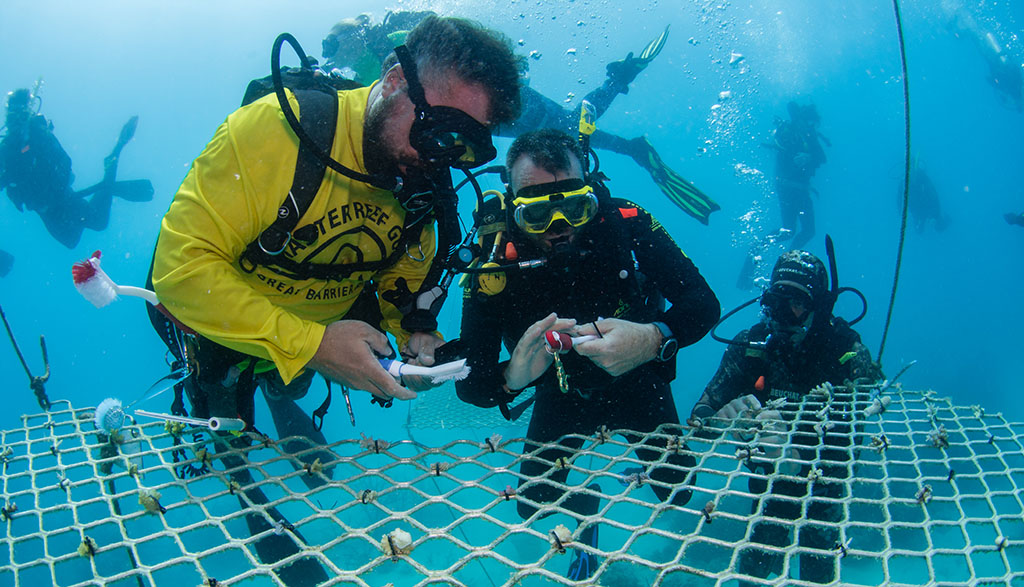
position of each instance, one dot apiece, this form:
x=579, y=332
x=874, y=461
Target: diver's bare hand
x=420, y=351
x=348, y=354
x=622, y=346
x=742, y=406
x=530, y=359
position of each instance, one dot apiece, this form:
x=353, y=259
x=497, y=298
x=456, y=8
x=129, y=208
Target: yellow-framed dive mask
x=537, y=207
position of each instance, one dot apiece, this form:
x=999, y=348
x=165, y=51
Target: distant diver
x=1004, y=70
x=36, y=172
x=924, y=200
x=355, y=48
x=798, y=155
x=1014, y=218
x=6, y=263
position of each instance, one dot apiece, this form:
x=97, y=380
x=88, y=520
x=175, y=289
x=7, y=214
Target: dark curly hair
x=449, y=45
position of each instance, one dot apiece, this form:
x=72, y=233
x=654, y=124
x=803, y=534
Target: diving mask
x=788, y=304
x=537, y=207
x=444, y=136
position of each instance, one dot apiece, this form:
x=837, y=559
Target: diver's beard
x=376, y=157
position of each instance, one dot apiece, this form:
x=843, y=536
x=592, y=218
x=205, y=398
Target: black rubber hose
x=383, y=182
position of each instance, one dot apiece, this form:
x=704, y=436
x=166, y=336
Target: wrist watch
x=669, y=344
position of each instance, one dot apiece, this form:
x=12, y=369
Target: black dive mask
x=443, y=136
x=778, y=302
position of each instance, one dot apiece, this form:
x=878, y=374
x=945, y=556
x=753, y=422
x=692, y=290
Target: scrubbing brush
x=96, y=286
x=453, y=371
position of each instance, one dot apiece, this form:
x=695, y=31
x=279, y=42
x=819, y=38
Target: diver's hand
x=530, y=359
x=622, y=346
x=420, y=351
x=348, y=354
x=742, y=410
x=738, y=407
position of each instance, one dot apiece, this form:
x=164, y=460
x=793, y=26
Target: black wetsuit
x=798, y=156
x=791, y=373
x=37, y=176
x=924, y=201
x=539, y=112
x=626, y=262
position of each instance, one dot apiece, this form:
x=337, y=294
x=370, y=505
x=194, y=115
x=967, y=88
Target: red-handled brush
x=97, y=287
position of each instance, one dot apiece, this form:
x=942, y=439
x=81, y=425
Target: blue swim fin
x=584, y=564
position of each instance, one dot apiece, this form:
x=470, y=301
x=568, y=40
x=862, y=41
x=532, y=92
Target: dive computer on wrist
x=669, y=344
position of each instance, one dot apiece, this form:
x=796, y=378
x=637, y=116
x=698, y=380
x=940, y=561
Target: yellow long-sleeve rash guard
x=232, y=193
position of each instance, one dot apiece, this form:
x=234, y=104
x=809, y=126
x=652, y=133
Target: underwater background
x=183, y=66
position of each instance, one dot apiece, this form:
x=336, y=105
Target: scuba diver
x=36, y=172
x=1004, y=70
x=798, y=154
x=797, y=345
x=270, y=242
x=1014, y=218
x=924, y=199
x=355, y=48
x=600, y=267
x=6, y=263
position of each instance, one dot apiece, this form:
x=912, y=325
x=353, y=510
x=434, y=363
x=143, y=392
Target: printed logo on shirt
x=354, y=225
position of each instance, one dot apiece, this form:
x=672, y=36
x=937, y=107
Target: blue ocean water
x=182, y=67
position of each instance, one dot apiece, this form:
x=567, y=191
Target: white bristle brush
x=97, y=287
x=453, y=371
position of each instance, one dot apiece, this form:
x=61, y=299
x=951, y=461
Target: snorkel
x=822, y=308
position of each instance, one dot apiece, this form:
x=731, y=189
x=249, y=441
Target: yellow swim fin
x=678, y=189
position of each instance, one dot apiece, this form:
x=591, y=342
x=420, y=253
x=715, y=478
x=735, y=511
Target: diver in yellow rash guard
x=214, y=217
x=236, y=186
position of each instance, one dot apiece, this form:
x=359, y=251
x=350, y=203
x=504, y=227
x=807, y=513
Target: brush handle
x=227, y=424
x=561, y=342
x=214, y=424
x=138, y=292
x=397, y=368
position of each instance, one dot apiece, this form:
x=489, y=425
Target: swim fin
x=134, y=190
x=584, y=563
x=682, y=193
x=292, y=422
x=6, y=263
x=277, y=545
x=282, y=540
x=654, y=47
x=745, y=280
x=127, y=132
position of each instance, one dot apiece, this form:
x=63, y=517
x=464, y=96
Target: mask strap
x=412, y=79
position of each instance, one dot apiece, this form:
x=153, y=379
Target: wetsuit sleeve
x=694, y=307
x=729, y=382
x=539, y=112
x=481, y=336
x=229, y=196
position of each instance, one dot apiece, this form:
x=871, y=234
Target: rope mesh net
x=921, y=492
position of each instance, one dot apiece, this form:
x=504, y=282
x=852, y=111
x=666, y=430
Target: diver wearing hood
x=797, y=345
x=605, y=268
